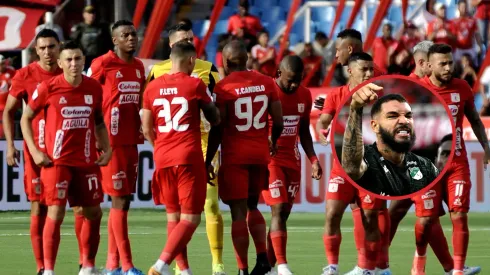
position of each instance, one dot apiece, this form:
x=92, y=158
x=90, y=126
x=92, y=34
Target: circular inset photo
x=386, y=137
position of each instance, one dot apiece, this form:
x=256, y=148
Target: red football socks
x=258, y=230
x=90, y=241
x=181, y=258
x=461, y=237
x=385, y=230
x=439, y=245
x=36, y=230
x=359, y=236
x=177, y=240
x=51, y=242
x=279, y=242
x=112, y=253
x=332, y=248
x=271, y=255
x=78, y=232
x=370, y=252
x=239, y=236
x=421, y=238
x=119, y=223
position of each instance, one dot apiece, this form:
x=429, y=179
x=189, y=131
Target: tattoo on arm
x=353, y=146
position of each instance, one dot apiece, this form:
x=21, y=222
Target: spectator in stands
x=265, y=55
x=223, y=39
x=321, y=46
x=287, y=51
x=48, y=20
x=466, y=33
x=485, y=92
x=243, y=24
x=441, y=30
x=382, y=46
x=408, y=36
x=468, y=69
x=482, y=16
x=197, y=41
x=95, y=37
x=312, y=64
x=6, y=74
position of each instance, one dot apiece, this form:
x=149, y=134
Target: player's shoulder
x=88, y=81
x=303, y=91
x=460, y=83
x=138, y=63
x=23, y=73
x=423, y=161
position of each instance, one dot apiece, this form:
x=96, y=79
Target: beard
x=397, y=146
x=440, y=79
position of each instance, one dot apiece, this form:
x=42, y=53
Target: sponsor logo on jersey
x=301, y=107
x=88, y=135
x=74, y=123
x=290, y=125
x=41, y=125
x=249, y=90
x=88, y=99
x=58, y=144
x=119, y=74
x=411, y=163
x=291, y=120
x=129, y=98
x=119, y=175
x=62, y=100
x=454, y=109
x=114, y=121
x=76, y=111
x=455, y=97
x=129, y=87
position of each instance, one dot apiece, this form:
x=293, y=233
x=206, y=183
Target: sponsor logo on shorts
x=129, y=98
x=76, y=111
x=117, y=184
x=62, y=185
x=36, y=180
x=454, y=109
x=275, y=184
x=74, y=123
x=37, y=188
x=129, y=87
x=457, y=202
x=367, y=199
x=429, y=195
x=119, y=175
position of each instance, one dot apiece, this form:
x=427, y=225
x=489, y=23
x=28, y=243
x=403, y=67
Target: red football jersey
x=380, y=51
x=122, y=84
x=414, y=76
x=465, y=28
x=174, y=101
x=295, y=107
x=269, y=67
x=24, y=83
x=458, y=95
x=441, y=31
x=251, y=24
x=70, y=119
x=246, y=95
x=5, y=82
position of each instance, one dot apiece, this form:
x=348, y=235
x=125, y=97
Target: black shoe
x=243, y=272
x=79, y=267
x=41, y=271
x=262, y=265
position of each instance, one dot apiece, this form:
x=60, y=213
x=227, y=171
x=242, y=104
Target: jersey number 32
x=247, y=114
x=165, y=113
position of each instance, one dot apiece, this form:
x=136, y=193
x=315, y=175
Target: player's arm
x=477, y=125
x=353, y=146
x=307, y=144
x=11, y=107
x=102, y=136
x=323, y=125
x=275, y=111
x=147, y=123
x=214, y=138
x=96, y=71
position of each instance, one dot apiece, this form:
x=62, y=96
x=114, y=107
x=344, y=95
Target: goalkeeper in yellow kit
x=208, y=73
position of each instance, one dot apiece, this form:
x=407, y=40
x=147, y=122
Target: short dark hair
x=439, y=48
x=292, y=63
x=360, y=56
x=320, y=35
x=350, y=33
x=120, y=23
x=448, y=137
x=186, y=21
x=46, y=33
x=182, y=49
x=244, y=3
x=181, y=27
x=70, y=45
x=386, y=98
x=462, y=1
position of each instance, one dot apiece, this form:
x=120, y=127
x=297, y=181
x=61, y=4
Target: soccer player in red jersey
x=421, y=61
x=24, y=83
x=285, y=166
x=72, y=105
x=171, y=123
x=122, y=79
x=459, y=97
x=244, y=99
x=340, y=193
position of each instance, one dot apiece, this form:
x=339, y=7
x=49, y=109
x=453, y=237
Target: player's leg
x=214, y=223
x=397, y=211
x=33, y=189
x=339, y=194
x=56, y=183
x=384, y=225
x=86, y=192
x=78, y=217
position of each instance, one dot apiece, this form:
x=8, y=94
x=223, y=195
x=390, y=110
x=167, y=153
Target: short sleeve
x=17, y=89
x=39, y=98
x=330, y=104
x=96, y=70
x=202, y=93
x=146, y=97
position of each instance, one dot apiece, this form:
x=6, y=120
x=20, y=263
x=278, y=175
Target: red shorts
x=429, y=204
x=181, y=188
x=79, y=185
x=32, y=178
x=458, y=183
x=119, y=176
x=239, y=181
x=339, y=189
x=283, y=185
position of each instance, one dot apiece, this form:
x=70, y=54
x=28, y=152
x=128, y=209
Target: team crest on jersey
x=455, y=97
x=88, y=99
x=62, y=100
x=301, y=107
x=119, y=74
x=138, y=74
x=415, y=173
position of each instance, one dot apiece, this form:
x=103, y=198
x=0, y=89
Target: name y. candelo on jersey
x=249, y=90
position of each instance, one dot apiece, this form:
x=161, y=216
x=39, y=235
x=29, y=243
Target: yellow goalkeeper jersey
x=204, y=70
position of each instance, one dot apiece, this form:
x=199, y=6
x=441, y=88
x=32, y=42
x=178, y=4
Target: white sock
x=334, y=265
x=48, y=272
x=186, y=272
x=161, y=266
